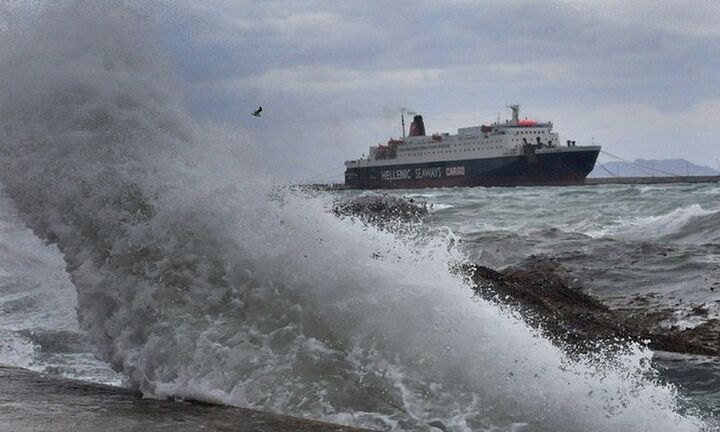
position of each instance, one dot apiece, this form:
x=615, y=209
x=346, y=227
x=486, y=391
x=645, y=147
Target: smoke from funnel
x=391, y=111
x=404, y=110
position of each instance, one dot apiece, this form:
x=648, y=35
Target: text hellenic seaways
x=421, y=173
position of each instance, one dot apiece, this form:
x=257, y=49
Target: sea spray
x=195, y=284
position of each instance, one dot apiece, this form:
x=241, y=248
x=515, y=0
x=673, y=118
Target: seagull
x=257, y=112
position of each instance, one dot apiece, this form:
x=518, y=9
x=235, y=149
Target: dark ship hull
x=536, y=169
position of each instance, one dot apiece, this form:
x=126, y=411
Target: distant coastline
x=651, y=168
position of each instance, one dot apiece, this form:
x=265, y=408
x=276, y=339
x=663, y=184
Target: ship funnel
x=417, y=127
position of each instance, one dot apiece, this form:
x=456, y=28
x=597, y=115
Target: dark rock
x=540, y=292
x=381, y=210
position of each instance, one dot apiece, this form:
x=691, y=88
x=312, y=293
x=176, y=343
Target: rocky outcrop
x=381, y=210
x=540, y=292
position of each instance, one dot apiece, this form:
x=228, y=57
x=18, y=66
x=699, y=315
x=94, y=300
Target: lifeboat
x=526, y=122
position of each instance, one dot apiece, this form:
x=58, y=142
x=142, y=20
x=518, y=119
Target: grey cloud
x=336, y=62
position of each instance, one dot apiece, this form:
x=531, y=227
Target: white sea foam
x=640, y=227
x=37, y=306
x=194, y=282
x=16, y=350
x=440, y=206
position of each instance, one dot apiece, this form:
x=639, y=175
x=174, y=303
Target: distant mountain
x=652, y=167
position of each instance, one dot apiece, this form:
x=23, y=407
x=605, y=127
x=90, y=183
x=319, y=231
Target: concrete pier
x=35, y=402
x=651, y=180
x=588, y=181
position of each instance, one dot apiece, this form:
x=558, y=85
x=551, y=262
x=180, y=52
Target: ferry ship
x=516, y=152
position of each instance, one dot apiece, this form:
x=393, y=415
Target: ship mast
x=515, y=112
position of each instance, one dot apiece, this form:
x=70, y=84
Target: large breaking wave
x=196, y=281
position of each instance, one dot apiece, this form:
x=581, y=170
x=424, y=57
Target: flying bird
x=257, y=112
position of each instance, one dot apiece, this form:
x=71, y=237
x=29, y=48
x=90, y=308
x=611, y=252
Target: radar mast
x=515, y=112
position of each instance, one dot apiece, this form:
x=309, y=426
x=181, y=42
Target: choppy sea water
x=620, y=240
x=175, y=267
x=659, y=243
x=585, y=230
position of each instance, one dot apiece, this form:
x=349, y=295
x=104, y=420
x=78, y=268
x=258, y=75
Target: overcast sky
x=640, y=77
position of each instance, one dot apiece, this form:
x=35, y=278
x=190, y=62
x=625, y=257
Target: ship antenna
x=402, y=119
x=515, y=112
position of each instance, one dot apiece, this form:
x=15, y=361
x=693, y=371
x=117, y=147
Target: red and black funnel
x=417, y=127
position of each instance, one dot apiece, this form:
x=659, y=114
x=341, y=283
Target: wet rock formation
x=381, y=209
x=540, y=292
